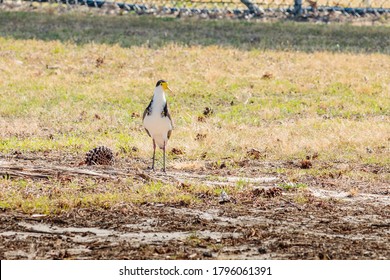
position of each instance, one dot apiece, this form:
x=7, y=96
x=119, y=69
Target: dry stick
x=8, y=157
x=380, y=225
x=51, y=170
x=13, y=170
x=23, y=174
x=115, y=172
x=150, y=178
x=82, y=172
x=292, y=203
x=41, y=231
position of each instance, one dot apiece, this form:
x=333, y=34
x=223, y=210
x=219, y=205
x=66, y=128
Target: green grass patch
x=293, y=186
x=157, y=32
x=285, y=89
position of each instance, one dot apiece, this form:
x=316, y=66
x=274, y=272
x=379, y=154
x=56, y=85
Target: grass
x=333, y=104
x=54, y=196
x=281, y=94
x=292, y=186
x=152, y=32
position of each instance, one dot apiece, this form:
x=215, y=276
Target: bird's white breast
x=157, y=124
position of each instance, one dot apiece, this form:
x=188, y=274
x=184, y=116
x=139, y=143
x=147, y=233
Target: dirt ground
x=331, y=223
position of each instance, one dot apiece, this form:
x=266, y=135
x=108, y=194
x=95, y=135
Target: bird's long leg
x=154, y=153
x=164, y=158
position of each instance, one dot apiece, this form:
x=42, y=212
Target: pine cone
x=99, y=156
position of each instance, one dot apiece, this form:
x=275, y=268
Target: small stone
x=224, y=198
x=261, y=250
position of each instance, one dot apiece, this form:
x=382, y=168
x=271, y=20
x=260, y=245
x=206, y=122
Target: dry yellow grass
x=55, y=96
x=81, y=83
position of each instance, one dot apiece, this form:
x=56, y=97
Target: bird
x=157, y=120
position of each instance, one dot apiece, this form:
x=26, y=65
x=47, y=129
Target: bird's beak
x=166, y=87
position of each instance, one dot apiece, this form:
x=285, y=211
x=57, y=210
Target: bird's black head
x=160, y=82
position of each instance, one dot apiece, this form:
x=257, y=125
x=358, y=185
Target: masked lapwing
x=157, y=120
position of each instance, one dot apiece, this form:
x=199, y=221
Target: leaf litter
x=266, y=222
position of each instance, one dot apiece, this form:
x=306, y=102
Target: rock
x=261, y=250
x=224, y=198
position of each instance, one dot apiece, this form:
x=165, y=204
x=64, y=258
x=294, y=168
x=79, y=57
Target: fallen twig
x=292, y=203
x=10, y=174
x=36, y=172
x=151, y=178
x=380, y=225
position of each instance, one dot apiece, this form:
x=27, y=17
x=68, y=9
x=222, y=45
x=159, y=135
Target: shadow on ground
x=131, y=30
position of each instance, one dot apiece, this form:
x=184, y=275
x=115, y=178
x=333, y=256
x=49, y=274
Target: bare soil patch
x=326, y=221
